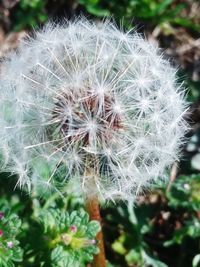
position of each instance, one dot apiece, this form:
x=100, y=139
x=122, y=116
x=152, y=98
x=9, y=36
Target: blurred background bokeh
x=163, y=228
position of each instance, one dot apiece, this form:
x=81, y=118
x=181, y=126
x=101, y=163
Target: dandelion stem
x=92, y=206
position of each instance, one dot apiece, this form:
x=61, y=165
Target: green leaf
x=152, y=261
x=196, y=261
x=133, y=257
x=93, y=228
x=56, y=254
x=17, y=254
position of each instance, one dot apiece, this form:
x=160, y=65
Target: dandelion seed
x=100, y=104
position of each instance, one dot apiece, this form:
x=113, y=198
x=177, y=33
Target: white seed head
x=93, y=105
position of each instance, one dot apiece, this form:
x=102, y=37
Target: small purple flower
x=73, y=228
x=93, y=241
x=90, y=242
x=1, y=232
x=10, y=244
x=1, y=215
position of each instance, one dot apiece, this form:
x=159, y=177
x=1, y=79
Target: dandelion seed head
x=95, y=105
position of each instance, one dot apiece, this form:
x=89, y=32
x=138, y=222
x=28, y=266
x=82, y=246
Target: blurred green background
x=163, y=228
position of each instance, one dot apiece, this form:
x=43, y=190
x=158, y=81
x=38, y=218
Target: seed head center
x=90, y=117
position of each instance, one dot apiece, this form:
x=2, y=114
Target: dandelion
x=101, y=104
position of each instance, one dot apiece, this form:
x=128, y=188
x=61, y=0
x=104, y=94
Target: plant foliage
x=10, y=250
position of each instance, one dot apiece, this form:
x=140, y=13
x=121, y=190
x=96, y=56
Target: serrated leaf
x=57, y=253
x=93, y=228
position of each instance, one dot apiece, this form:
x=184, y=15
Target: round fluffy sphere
x=90, y=104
